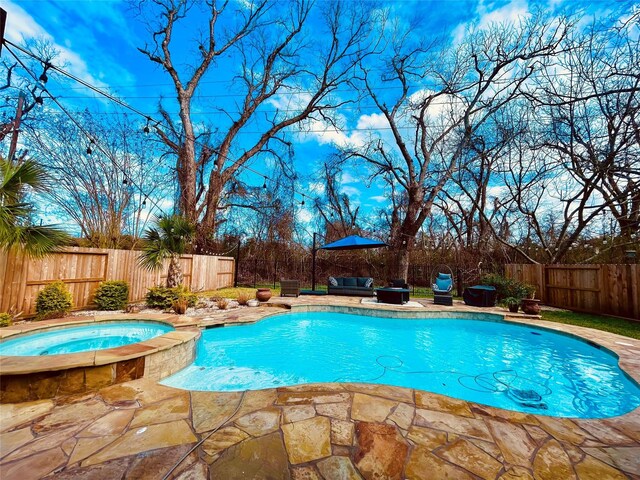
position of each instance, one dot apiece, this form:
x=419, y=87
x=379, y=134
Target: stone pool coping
x=185, y=331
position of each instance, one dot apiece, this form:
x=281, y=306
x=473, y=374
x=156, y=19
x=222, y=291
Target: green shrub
x=6, y=320
x=505, y=287
x=163, y=297
x=112, y=295
x=53, y=301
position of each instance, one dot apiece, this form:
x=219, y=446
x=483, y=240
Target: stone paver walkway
x=144, y=430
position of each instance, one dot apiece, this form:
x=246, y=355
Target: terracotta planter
x=531, y=306
x=263, y=294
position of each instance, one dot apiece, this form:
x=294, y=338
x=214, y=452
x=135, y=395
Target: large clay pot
x=263, y=294
x=531, y=306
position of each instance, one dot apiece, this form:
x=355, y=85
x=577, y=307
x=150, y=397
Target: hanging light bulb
x=39, y=100
x=89, y=151
x=264, y=185
x=125, y=181
x=144, y=203
x=43, y=78
x=302, y=202
x=146, y=128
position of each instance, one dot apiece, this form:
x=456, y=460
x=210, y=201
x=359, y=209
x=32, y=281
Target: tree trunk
x=174, y=275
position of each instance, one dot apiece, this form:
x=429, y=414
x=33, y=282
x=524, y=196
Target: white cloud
x=22, y=26
x=379, y=198
x=317, y=188
x=513, y=12
x=304, y=215
x=348, y=178
x=350, y=191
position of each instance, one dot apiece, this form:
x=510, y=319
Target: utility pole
x=16, y=128
x=3, y=22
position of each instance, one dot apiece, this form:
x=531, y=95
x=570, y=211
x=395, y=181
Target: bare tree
x=278, y=55
x=107, y=196
x=434, y=128
x=591, y=101
x=338, y=214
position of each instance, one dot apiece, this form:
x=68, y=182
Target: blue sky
x=98, y=41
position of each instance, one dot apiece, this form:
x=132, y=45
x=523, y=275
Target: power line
x=122, y=104
x=92, y=141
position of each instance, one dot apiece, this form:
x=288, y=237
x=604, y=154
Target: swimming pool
x=501, y=364
x=96, y=336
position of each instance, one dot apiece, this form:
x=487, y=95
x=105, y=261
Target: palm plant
x=16, y=229
x=169, y=239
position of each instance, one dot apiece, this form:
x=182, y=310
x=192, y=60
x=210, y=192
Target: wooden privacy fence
x=603, y=289
x=82, y=269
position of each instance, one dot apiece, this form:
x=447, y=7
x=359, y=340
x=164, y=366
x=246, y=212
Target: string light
x=144, y=203
x=39, y=100
x=71, y=117
x=146, y=127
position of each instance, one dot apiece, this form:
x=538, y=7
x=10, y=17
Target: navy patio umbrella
x=352, y=242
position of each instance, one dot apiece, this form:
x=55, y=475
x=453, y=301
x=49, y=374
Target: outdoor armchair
x=289, y=287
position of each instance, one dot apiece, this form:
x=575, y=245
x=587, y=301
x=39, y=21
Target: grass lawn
x=628, y=328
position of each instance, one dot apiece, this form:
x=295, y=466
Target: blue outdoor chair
x=443, y=284
x=442, y=287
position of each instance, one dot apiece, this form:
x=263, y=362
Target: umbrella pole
x=314, y=250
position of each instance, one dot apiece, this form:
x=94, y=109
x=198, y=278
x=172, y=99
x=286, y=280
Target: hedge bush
x=163, y=297
x=6, y=320
x=112, y=295
x=507, y=287
x=53, y=301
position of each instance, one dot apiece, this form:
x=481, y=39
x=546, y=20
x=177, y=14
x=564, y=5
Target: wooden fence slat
x=602, y=289
x=84, y=268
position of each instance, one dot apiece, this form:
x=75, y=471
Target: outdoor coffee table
x=396, y=296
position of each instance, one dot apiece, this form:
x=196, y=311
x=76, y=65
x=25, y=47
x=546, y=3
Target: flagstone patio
x=140, y=429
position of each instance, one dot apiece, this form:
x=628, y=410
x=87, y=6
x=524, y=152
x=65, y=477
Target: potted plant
x=512, y=303
x=530, y=305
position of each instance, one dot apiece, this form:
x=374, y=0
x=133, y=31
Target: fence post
x=275, y=271
x=255, y=271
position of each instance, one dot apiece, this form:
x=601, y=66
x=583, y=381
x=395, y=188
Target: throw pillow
x=368, y=283
x=333, y=282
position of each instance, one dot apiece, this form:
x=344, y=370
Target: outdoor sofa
x=354, y=286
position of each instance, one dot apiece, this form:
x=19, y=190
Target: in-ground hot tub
x=75, y=355
x=83, y=338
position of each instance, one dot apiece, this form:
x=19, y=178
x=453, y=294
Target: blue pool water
x=98, y=336
x=494, y=363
